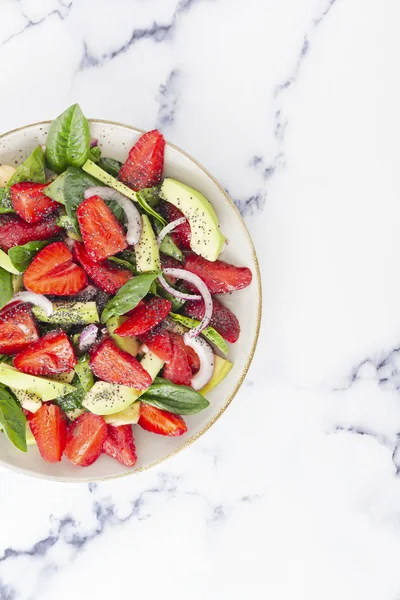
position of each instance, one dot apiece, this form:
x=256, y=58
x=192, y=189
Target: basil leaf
x=209, y=332
x=12, y=419
x=128, y=296
x=84, y=372
x=5, y=201
x=74, y=399
x=22, y=256
x=68, y=140
x=178, y=399
x=110, y=165
x=32, y=169
x=94, y=154
x=142, y=201
x=168, y=246
x=6, y=287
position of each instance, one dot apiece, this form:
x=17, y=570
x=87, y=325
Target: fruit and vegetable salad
x=111, y=297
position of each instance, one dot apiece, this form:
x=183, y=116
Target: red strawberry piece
x=160, y=421
x=53, y=272
x=85, y=439
x=178, y=370
x=219, y=276
x=193, y=359
x=158, y=341
x=222, y=319
x=16, y=232
x=17, y=328
x=30, y=203
x=51, y=354
x=101, y=231
x=108, y=276
x=181, y=235
x=120, y=445
x=144, y=165
x=144, y=317
x=111, y=364
x=50, y=431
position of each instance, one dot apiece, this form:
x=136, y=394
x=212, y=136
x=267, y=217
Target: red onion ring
x=87, y=337
x=206, y=357
x=168, y=228
x=177, y=293
x=36, y=299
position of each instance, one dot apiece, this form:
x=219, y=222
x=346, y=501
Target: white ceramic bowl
x=115, y=140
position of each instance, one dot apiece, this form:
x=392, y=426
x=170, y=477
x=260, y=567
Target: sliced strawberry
x=53, y=272
x=223, y=320
x=85, y=439
x=50, y=355
x=158, y=341
x=181, y=235
x=219, y=276
x=144, y=165
x=102, y=233
x=178, y=370
x=145, y=317
x=16, y=232
x=108, y=276
x=193, y=359
x=120, y=445
x=50, y=431
x=30, y=203
x=111, y=364
x=160, y=421
x=17, y=328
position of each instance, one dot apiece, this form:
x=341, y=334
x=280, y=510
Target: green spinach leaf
x=94, y=154
x=32, y=169
x=6, y=287
x=5, y=201
x=178, y=399
x=126, y=259
x=55, y=190
x=128, y=296
x=142, y=201
x=209, y=332
x=76, y=182
x=110, y=165
x=74, y=399
x=12, y=419
x=22, y=256
x=68, y=140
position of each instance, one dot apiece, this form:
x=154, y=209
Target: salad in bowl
x=112, y=286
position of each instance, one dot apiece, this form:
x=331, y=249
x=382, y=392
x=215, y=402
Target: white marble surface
x=294, y=107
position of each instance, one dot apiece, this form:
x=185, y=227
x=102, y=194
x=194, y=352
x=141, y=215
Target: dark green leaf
x=55, y=190
x=68, y=140
x=5, y=201
x=94, y=154
x=142, y=201
x=84, y=372
x=32, y=169
x=129, y=295
x=209, y=332
x=12, y=419
x=21, y=256
x=168, y=246
x=6, y=287
x=178, y=399
x=74, y=399
x=123, y=262
x=151, y=195
x=110, y=165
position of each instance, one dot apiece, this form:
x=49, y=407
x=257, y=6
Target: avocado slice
x=69, y=313
x=129, y=416
x=6, y=263
x=28, y=400
x=64, y=377
x=55, y=190
x=221, y=370
x=74, y=414
x=147, y=254
x=207, y=239
x=109, y=398
x=129, y=344
x=46, y=389
x=18, y=283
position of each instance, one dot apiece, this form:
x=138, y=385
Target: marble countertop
x=294, y=107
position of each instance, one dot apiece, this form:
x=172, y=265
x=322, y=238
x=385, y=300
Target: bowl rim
x=250, y=355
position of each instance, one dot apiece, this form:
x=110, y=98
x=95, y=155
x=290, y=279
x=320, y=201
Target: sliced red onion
x=205, y=295
x=94, y=142
x=144, y=349
x=87, y=337
x=134, y=226
x=206, y=357
x=168, y=228
x=177, y=293
x=224, y=247
x=36, y=299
